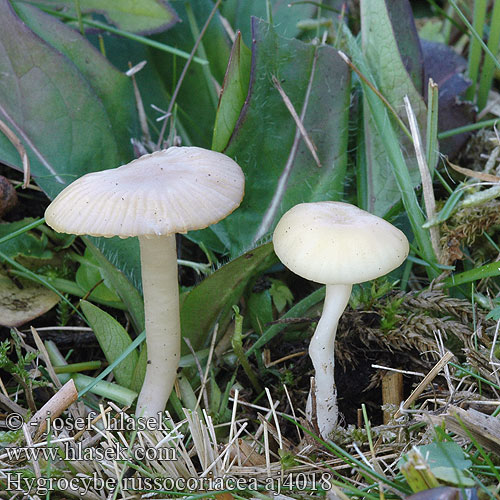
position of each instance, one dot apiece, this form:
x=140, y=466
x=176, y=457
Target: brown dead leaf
x=23, y=301
x=482, y=176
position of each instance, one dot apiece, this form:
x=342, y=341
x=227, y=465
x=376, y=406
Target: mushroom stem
x=322, y=354
x=163, y=331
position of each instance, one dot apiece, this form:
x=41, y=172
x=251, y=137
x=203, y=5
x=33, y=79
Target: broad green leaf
x=113, y=339
x=264, y=134
x=26, y=244
x=417, y=472
x=285, y=16
x=234, y=93
x=391, y=47
x=281, y=295
x=297, y=311
x=123, y=253
x=137, y=16
x=65, y=113
x=214, y=296
x=88, y=276
x=260, y=310
x=110, y=86
x=118, y=282
x=390, y=141
x=448, y=463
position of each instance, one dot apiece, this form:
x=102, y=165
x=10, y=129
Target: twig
x=286, y=358
x=424, y=383
x=482, y=176
x=9, y=404
x=54, y=407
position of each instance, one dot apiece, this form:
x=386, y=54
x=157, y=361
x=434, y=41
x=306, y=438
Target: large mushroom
x=160, y=194
x=336, y=244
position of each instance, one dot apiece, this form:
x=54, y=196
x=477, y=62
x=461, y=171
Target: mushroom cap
x=171, y=191
x=337, y=243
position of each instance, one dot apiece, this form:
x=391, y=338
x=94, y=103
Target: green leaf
x=88, y=276
x=124, y=254
x=297, y=311
x=117, y=281
x=214, y=297
x=215, y=396
x=27, y=244
x=392, y=50
x=113, y=339
x=71, y=109
x=479, y=273
x=137, y=16
x=264, y=134
x=447, y=462
x=140, y=369
x=285, y=16
x=234, y=93
x=281, y=294
x=417, y=472
x=260, y=310
x=394, y=154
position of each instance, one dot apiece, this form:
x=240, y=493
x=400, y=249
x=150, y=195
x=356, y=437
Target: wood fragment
x=485, y=429
x=392, y=392
x=424, y=383
x=248, y=455
x=54, y=407
x=6, y=402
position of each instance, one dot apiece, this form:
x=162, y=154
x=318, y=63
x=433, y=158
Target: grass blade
x=475, y=47
x=488, y=69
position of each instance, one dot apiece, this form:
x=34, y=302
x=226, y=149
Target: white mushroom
x=153, y=197
x=336, y=244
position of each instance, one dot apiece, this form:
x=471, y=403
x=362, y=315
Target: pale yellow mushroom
x=335, y=244
x=154, y=197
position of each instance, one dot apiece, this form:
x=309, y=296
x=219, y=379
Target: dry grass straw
x=254, y=449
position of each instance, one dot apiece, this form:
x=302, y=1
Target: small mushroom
x=335, y=244
x=171, y=191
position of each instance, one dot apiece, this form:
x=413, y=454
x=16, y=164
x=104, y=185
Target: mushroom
x=171, y=191
x=336, y=244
